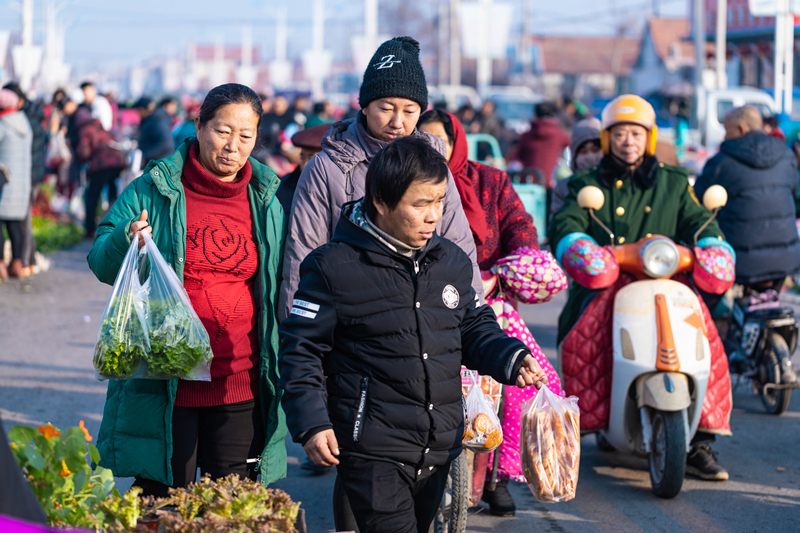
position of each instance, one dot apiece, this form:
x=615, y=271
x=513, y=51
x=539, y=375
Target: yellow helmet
x=629, y=109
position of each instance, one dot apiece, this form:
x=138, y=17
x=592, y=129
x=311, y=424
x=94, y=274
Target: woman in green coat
x=212, y=212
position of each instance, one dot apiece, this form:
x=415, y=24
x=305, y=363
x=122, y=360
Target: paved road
x=48, y=327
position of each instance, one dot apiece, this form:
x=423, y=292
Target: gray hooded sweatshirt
x=336, y=176
x=16, y=137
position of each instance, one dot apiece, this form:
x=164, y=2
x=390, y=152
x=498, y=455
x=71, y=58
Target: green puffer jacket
x=136, y=432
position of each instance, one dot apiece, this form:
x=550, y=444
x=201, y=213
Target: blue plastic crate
x=534, y=198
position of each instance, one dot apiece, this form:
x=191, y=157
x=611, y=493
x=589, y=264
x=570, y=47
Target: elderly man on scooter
x=643, y=197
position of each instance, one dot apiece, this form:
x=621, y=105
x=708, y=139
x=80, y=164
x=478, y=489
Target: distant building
x=587, y=67
x=666, y=58
x=751, y=50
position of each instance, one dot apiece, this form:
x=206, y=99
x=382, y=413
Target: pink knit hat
x=8, y=99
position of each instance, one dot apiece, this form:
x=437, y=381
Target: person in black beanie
x=392, y=96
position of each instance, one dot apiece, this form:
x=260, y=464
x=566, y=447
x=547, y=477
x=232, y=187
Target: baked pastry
x=551, y=452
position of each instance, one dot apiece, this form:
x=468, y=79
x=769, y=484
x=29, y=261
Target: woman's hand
x=531, y=374
x=143, y=226
x=322, y=447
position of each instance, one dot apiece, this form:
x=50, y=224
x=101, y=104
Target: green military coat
x=136, y=432
x=655, y=199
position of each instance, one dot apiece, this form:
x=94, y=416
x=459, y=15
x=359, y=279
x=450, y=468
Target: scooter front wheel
x=667, y=453
x=775, y=400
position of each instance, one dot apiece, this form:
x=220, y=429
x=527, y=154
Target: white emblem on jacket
x=450, y=297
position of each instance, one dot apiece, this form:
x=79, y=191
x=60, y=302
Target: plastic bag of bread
x=490, y=387
x=482, y=429
x=550, y=446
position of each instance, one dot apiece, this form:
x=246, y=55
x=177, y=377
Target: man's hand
x=141, y=225
x=322, y=448
x=531, y=374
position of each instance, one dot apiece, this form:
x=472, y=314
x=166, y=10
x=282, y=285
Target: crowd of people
x=366, y=275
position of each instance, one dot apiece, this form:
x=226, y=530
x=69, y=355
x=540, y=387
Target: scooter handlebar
x=630, y=260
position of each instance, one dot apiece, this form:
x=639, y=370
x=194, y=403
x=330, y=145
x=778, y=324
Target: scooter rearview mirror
x=590, y=197
x=715, y=197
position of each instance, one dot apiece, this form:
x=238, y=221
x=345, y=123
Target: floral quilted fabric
x=714, y=269
x=593, y=266
x=531, y=276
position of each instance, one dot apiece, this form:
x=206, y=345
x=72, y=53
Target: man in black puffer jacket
x=760, y=174
x=386, y=312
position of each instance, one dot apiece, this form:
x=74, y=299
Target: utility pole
x=245, y=73
x=780, y=52
x=317, y=61
x=26, y=65
x=280, y=71
x=525, y=50
x=443, y=42
x=318, y=44
x=484, y=57
x=371, y=26
x=699, y=34
x=788, y=75
x=656, y=8
x=52, y=69
x=455, y=44
x=722, y=44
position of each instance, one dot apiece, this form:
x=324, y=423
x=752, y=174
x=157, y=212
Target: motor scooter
x=661, y=354
x=760, y=341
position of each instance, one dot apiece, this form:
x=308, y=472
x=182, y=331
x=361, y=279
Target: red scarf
x=460, y=167
x=204, y=182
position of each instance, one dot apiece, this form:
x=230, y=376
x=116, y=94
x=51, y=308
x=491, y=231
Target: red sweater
x=221, y=263
x=509, y=226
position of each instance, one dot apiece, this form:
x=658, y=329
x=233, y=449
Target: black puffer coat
x=760, y=175
x=39, y=144
x=391, y=343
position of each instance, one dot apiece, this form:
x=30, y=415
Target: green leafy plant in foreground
x=58, y=467
x=51, y=235
x=228, y=505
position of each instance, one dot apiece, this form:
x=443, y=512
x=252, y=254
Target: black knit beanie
x=395, y=72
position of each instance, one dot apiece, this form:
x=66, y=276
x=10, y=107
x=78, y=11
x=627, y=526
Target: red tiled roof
x=666, y=31
x=587, y=55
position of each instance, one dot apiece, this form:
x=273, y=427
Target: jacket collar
x=645, y=175
x=348, y=143
x=166, y=174
x=348, y=232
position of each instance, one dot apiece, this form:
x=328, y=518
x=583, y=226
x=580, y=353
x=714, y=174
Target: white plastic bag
x=490, y=387
x=149, y=328
x=550, y=446
x=482, y=429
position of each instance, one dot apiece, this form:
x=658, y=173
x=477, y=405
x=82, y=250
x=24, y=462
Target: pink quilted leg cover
x=509, y=463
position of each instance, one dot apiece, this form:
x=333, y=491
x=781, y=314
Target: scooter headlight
x=660, y=258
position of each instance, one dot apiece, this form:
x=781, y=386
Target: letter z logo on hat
x=450, y=297
x=386, y=62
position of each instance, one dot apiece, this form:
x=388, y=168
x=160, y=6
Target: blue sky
x=127, y=31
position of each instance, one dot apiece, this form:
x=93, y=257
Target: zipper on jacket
x=416, y=266
x=362, y=406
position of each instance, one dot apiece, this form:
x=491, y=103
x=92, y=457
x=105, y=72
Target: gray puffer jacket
x=15, y=153
x=336, y=176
